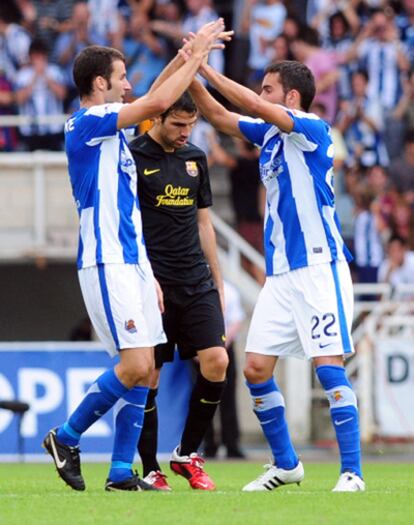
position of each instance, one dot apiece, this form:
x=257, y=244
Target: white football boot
x=349, y=482
x=275, y=477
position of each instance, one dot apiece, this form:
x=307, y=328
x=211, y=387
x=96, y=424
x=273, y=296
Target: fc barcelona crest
x=192, y=168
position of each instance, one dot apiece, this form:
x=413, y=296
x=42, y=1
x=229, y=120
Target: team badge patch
x=192, y=168
x=130, y=326
x=337, y=395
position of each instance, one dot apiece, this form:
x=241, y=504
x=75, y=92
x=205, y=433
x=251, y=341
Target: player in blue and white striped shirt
x=306, y=304
x=116, y=278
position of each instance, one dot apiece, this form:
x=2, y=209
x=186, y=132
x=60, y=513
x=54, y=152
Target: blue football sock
x=269, y=407
x=129, y=418
x=344, y=415
x=100, y=397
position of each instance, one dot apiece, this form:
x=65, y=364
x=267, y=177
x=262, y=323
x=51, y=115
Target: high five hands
x=210, y=36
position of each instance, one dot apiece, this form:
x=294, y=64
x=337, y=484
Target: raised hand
x=205, y=39
x=187, y=49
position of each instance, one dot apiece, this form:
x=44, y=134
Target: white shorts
x=304, y=313
x=122, y=304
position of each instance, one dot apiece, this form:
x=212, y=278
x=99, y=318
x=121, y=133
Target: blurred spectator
x=105, y=21
x=368, y=249
x=346, y=204
x=7, y=135
x=382, y=55
x=279, y=49
x=248, y=200
x=229, y=421
x=70, y=43
x=198, y=13
x=404, y=112
x=334, y=19
x=51, y=18
x=145, y=53
x=401, y=170
x=27, y=12
x=398, y=267
x=405, y=23
x=14, y=44
x=378, y=181
x=40, y=91
x=291, y=27
x=402, y=221
x=263, y=21
x=361, y=122
x=323, y=65
x=340, y=39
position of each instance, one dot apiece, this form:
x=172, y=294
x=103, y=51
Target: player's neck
x=295, y=107
x=96, y=99
x=153, y=133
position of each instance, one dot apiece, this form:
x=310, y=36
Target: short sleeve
x=309, y=130
x=254, y=129
x=100, y=123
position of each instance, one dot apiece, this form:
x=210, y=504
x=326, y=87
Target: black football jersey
x=171, y=189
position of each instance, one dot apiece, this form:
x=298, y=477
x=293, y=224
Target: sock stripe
x=121, y=464
x=69, y=430
x=269, y=407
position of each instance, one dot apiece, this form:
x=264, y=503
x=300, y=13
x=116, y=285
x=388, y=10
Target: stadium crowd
x=361, y=53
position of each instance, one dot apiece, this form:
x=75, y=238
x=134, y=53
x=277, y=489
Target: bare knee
x=135, y=368
x=213, y=364
x=254, y=374
x=258, y=368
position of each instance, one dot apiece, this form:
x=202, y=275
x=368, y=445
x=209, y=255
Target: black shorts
x=193, y=321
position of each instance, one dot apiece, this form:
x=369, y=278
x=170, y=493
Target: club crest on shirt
x=130, y=326
x=192, y=168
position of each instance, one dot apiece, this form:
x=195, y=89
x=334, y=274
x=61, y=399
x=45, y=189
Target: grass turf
x=31, y=494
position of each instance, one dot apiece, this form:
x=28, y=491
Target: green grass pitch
x=32, y=494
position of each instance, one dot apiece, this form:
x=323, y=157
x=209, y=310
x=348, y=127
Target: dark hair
x=309, y=35
x=38, y=46
x=295, y=75
x=184, y=103
x=92, y=62
x=362, y=73
x=338, y=15
x=10, y=13
x=397, y=238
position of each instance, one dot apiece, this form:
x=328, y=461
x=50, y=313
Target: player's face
x=272, y=89
x=119, y=85
x=175, y=130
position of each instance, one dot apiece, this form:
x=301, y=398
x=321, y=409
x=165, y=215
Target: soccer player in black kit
x=174, y=193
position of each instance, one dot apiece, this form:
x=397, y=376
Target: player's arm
x=209, y=247
x=160, y=296
x=159, y=100
x=185, y=51
x=172, y=66
x=222, y=119
x=248, y=100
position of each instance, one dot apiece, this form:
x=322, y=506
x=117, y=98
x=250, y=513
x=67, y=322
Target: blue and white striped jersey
x=104, y=184
x=301, y=227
